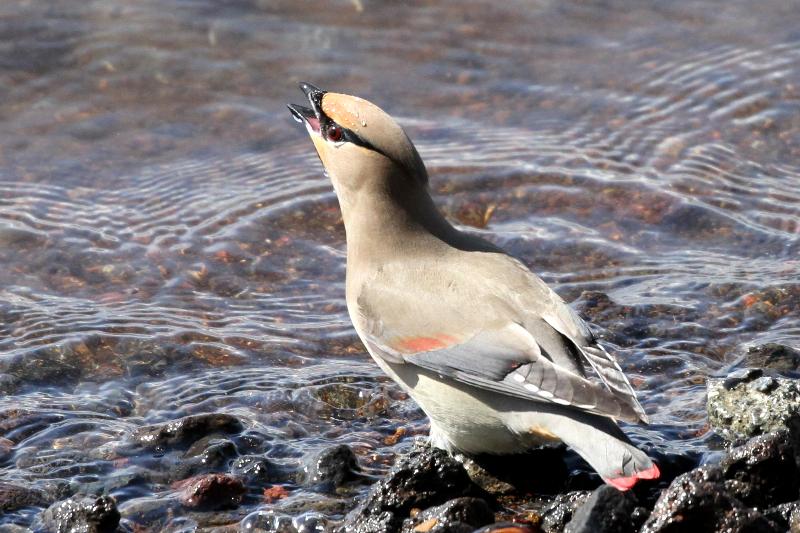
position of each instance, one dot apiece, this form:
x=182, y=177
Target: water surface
x=169, y=245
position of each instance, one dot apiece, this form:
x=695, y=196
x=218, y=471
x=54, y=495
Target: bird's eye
x=334, y=133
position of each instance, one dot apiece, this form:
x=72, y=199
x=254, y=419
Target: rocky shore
x=751, y=485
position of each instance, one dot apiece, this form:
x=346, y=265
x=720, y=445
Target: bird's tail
x=606, y=448
x=602, y=444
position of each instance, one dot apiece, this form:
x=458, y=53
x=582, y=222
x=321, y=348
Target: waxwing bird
x=493, y=356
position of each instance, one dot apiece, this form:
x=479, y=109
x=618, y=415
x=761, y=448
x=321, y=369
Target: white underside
x=468, y=420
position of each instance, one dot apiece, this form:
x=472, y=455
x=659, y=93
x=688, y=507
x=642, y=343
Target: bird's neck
x=397, y=225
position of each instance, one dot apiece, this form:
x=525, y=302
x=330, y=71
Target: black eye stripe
x=348, y=135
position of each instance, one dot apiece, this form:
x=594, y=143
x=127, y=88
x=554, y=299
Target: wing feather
x=510, y=362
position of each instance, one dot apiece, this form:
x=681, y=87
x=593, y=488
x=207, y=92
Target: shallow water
x=170, y=246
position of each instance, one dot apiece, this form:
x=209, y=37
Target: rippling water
x=169, y=246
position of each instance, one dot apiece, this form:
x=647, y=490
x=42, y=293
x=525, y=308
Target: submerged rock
x=210, y=492
x=424, y=478
x=84, y=514
x=205, y=455
x=183, y=432
x=751, y=404
x=13, y=497
x=332, y=467
x=253, y=469
x=773, y=356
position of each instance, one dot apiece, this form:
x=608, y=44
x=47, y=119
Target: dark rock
x=753, y=408
x=786, y=515
x=253, y=469
x=506, y=527
x=185, y=431
x=9, y=384
x=310, y=523
x=607, y=510
x=332, y=467
x=766, y=466
x=265, y=520
x=206, y=455
x=742, y=375
x=151, y=511
x=211, y=492
x=45, y=366
x=456, y=516
x=539, y=471
x=764, y=384
x=423, y=478
x=84, y=514
x=13, y=497
x=671, y=464
x=556, y=516
x=700, y=501
x=773, y=356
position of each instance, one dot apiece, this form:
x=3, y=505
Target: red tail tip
x=625, y=483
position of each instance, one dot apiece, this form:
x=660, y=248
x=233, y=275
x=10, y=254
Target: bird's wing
x=582, y=342
x=491, y=360
x=478, y=342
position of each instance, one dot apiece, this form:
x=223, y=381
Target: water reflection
x=170, y=247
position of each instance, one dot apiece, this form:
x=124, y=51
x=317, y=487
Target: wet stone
x=457, y=515
x=9, y=384
x=211, y=492
x=424, y=478
x=252, y=468
x=556, y=515
x=273, y=522
x=310, y=523
x=765, y=469
x=773, y=356
x=45, y=366
x=13, y=497
x=700, y=501
x=84, y=514
x=185, y=431
x=206, y=455
x=752, y=406
x=6, y=448
x=764, y=384
x=332, y=467
x=506, y=527
x=269, y=521
x=607, y=510
x=742, y=375
x=150, y=511
x=786, y=515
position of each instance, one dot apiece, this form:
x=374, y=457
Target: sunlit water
x=169, y=246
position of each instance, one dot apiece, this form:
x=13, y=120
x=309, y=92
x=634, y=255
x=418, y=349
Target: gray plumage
x=494, y=357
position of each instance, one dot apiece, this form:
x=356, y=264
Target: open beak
x=312, y=116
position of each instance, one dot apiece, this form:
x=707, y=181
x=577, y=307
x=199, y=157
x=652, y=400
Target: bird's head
x=361, y=147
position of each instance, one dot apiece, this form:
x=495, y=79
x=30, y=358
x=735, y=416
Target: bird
x=497, y=361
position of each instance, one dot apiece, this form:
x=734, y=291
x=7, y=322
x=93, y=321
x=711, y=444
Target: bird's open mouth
x=312, y=116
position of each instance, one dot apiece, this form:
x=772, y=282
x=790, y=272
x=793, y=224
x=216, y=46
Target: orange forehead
x=348, y=111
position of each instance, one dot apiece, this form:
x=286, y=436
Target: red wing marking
x=424, y=344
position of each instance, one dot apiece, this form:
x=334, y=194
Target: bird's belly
x=467, y=419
